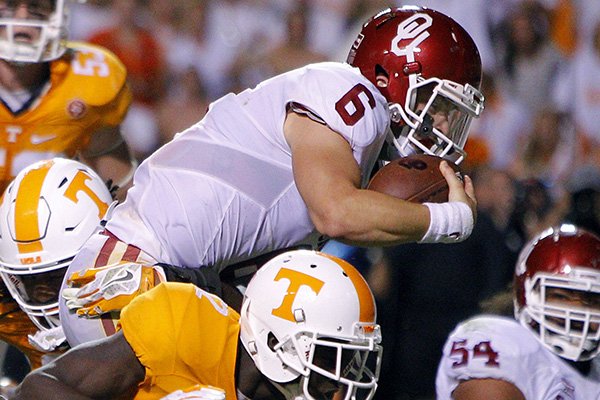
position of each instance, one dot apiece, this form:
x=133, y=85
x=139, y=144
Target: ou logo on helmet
x=414, y=28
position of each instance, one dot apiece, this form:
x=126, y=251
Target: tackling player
x=285, y=163
x=307, y=330
x=551, y=351
x=57, y=99
x=47, y=213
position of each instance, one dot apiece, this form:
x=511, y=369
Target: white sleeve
x=346, y=101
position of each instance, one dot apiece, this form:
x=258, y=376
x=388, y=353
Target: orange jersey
x=87, y=90
x=182, y=335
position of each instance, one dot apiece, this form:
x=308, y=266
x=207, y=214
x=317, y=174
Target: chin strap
x=129, y=176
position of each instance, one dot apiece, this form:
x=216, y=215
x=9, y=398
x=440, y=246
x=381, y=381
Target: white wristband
x=450, y=222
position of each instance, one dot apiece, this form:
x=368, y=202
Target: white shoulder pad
x=489, y=347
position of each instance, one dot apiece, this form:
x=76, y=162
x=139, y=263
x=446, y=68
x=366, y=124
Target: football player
x=551, y=351
x=285, y=163
x=47, y=213
x=307, y=330
x=58, y=98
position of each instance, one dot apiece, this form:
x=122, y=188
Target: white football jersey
x=223, y=190
x=500, y=348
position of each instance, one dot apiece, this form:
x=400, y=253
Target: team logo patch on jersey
x=76, y=108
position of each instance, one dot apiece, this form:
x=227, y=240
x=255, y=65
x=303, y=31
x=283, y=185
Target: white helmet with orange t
x=33, y=31
x=308, y=321
x=47, y=213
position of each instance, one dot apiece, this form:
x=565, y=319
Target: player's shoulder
x=171, y=292
x=91, y=71
x=110, y=58
x=491, y=325
x=490, y=347
x=332, y=67
x=503, y=331
x=335, y=72
x=172, y=304
x=342, y=96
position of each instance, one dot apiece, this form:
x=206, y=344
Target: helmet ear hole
x=382, y=78
x=272, y=341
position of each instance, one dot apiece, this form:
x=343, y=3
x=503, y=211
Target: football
x=415, y=178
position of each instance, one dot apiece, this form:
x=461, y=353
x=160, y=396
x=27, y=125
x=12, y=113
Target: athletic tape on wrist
x=450, y=222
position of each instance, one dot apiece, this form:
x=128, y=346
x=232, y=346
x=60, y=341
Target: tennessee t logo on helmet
x=308, y=314
x=48, y=212
x=297, y=280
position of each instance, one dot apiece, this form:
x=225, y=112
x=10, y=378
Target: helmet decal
x=296, y=281
x=78, y=185
x=26, y=217
x=31, y=213
x=414, y=27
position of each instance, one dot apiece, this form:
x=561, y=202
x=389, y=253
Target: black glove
x=204, y=277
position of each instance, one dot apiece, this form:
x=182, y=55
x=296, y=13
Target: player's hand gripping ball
x=415, y=178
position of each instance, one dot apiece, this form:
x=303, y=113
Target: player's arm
x=476, y=389
x=109, y=155
x=328, y=178
x=106, y=368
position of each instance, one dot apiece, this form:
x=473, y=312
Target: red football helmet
x=429, y=70
x=557, y=291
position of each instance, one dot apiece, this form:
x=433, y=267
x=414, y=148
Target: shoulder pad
x=97, y=73
x=488, y=347
x=502, y=330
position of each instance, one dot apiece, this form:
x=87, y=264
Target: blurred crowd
x=534, y=154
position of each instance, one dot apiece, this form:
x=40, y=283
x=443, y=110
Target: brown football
x=415, y=178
